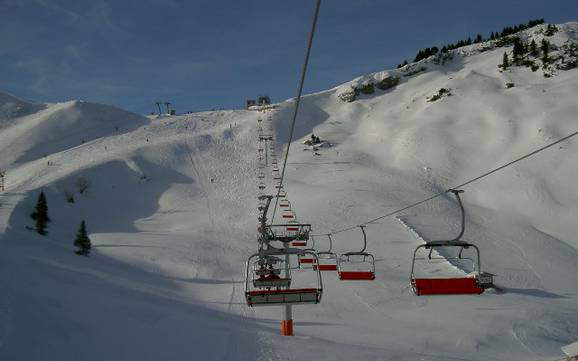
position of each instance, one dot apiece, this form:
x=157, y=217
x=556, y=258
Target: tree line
x=508, y=30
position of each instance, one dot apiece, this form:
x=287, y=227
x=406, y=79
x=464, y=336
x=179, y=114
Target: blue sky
x=211, y=54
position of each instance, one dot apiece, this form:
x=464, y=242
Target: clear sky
x=211, y=54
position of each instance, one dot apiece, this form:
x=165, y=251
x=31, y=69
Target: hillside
x=171, y=211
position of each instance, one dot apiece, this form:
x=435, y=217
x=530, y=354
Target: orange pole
x=287, y=323
x=287, y=328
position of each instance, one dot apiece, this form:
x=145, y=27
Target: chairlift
x=288, y=232
x=267, y=292
x=473, y=282
x=306, y=261
x=353, y=266
x=301, y=235
x=288, y=214
x=262, y=186
x=284, y=203
x=327, y=260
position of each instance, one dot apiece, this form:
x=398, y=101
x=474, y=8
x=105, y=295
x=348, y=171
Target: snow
x=164, y=279
x=571, y=349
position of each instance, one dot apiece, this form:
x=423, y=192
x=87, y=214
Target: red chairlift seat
x=356, y=276
x=446, y=286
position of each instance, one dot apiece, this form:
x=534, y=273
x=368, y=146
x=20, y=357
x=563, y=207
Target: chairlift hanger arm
x=457, y=192
x=457, y=240
x=362, y=227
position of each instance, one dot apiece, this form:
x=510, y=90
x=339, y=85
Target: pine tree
x=505, y=63
x=545, y=47
x=82, y=241
x=533, y=48
x=40, y=214
x=518, y=50
x=478, y=38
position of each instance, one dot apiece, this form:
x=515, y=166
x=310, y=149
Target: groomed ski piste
x=172, y=214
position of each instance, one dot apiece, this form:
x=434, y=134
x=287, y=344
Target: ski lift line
x=298, y=100
x=484, y=175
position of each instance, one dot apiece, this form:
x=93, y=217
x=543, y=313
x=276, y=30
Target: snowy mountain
x=171, y=211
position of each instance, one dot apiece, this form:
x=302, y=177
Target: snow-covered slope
x=171, y=211
x=30, y=131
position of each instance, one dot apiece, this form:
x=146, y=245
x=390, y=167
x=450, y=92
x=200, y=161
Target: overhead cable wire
x=486, y=174
x=298, y=100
